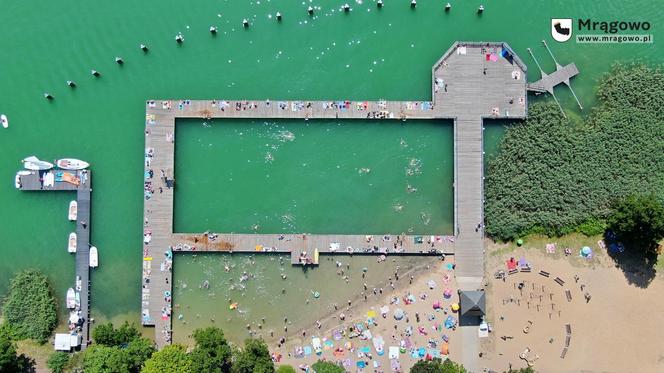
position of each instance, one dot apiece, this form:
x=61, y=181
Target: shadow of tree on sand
x=637, y=266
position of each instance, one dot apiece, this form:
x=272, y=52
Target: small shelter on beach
x=473, y=303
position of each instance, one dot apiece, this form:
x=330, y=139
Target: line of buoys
x=480, y=9
x=95, y=73
x=413, y=4
x=143, y=47
x=278, y=16
x=310, y=10
x=179, y=38
x=448, y=6
x=379, y=3
x=213, y=30
x=119, y=60
x=245, y=23
x=71, y=83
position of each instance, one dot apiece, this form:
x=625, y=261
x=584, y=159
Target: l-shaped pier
x=471, y=82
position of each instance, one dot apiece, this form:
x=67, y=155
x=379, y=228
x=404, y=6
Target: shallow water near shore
x=367, y=54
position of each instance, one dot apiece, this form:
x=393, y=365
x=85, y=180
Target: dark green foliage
x=522, y=370
x=107, y=335
x=638, y=221
x=437, y=366
x=253, y=358
x=327, y=367
x=212, y=352
x=104, y=359
x=57, y=361
x=554, y=177
x=286, y=369
x=138, y=351
x=171, y=359
x=29, y=308
x=9, y=361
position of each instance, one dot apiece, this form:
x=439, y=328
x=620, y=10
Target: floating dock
x=34, y=182
x=471, y=82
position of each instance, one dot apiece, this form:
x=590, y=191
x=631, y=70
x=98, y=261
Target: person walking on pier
x=84, y=224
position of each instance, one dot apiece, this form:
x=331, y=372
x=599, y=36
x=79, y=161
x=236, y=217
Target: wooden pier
x=35, y=182
x=470, y=83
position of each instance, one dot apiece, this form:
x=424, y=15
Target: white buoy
x=379, y=3
x=95, y=73
x=245, y=23
x=413, y=4
x=143, y=47
x=278, y=16
x=119, y=60
x=448, y=6
x=71, y=83
x=480, y=9
x=310, y=10
x=213, y=29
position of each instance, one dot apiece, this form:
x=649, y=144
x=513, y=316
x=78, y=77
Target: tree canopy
x=9, y=361
x=555, y=176
x=286, y=369
x=172, y=359
x=104, y=359
x=29, y=308
x=253, y=358
x=107, y=335
x=327, y=367
x=638, y=221
x=212, y=352
x=57, y=361
x=437, y=366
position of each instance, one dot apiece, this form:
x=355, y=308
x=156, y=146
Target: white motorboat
x=33, y=163
x=72, y=242
x=94, y=257
x=4, y=121
x=71, y=298
x=73, y=210
x=71, y=164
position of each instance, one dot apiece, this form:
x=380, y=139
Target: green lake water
x=367, y=54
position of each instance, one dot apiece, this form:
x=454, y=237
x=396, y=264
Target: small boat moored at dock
x=71, y=298
x=94, y=257
x=73, y=210
x=72, y=242
x=33, y=163
x=71, y=164
x=4, y=121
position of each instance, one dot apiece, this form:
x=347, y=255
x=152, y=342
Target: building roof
x=472, y=303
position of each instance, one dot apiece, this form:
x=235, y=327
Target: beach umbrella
x=411, y=298
x=519, y=242
x=436, y=305
x=73, y=318
x=398, y=314
x=455, y=307
x=586, y=251
x=371, y=314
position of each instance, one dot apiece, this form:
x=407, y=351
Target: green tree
x=29, y=308
x=9, y=361
x=437, y=366
x=104, y=359
x=107, y=335
x=253, y=358
x=286, y=369
x=138, y=351
x=171, y=359
x=522, y=370
x=212, y=352
x=326, y=367
x=638, y=221
x=57, y=361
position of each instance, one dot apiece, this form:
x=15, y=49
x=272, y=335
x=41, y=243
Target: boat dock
x=471, y=82
x=34, y=182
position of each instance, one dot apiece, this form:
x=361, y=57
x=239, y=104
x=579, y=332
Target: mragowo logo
x=561, y=28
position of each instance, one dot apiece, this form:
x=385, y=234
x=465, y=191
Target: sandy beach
x=419, y=332
x=617, y=330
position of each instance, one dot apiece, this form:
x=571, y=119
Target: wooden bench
x=526, y=269
x=512, y=271
x=544, y=273
x=569, y=296
x=562, y=354
x=567, y=340
x=559, y=281
x=568, y=328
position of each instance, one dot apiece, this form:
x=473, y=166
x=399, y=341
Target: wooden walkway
x=562, y=75
x=33, y=182
x=471, y=82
